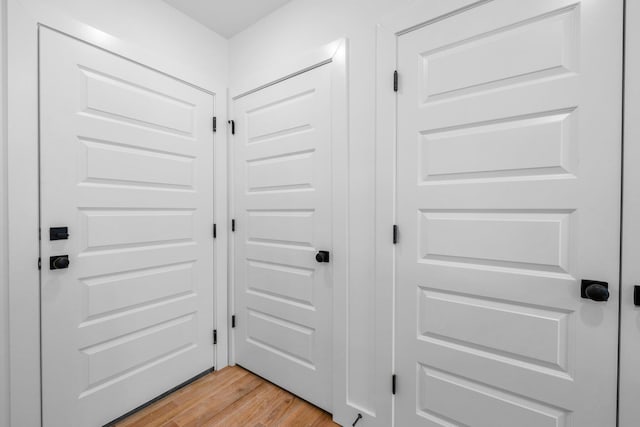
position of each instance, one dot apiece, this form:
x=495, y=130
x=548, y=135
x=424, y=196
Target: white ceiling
x=227, y=17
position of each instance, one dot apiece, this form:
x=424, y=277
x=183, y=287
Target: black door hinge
x=395, y=81
x=393, y=384
x=39, y=263
x=233, y=321
x=215, y=124
x=233, y=126
x=39, y=233
x=233, y=225
x=395, y=234
x=215, y=336
x=215, y=231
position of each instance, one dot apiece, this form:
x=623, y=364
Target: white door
x=509, y=145
x=126, y=165
x=282, y=151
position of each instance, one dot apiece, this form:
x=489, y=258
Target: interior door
x=508, y=196
x=127, y=296
x=282, y=152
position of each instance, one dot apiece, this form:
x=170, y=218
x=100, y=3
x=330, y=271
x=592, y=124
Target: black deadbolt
x=322, y=256
x=636, y=295
x=58, y=262
x=58, y=233
x=594, y=290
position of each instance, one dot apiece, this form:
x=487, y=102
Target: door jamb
x=333, y=55
x=628, y=411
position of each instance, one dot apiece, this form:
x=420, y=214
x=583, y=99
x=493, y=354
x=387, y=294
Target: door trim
x=269, y=76
x=333, y=55
x=23, y=190
x=628, y=411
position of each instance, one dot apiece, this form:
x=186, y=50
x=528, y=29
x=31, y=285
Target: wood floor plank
x=184, y=399
x=240, y=411
x=218, y=402
x=280, y=404
x=231, y=397
x=303, y=414
x=159, y=412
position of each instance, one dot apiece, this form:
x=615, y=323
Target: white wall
x=299, y=27
x=198, y=54
x=148, y=31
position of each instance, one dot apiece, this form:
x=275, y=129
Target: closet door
x=127, y=286
x=508, y=203
x=283, y=205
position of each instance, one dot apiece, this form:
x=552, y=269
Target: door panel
x=126, y=164
x=508, y=195
x=283, y=207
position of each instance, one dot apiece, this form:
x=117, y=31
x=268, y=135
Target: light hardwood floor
x=230, y=397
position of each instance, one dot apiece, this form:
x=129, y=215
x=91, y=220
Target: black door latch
x=58, y=233
x=322, y=256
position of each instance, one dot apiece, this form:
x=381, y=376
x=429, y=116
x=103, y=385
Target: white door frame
x=629, y=377
x=23, y=191
x=333, y=55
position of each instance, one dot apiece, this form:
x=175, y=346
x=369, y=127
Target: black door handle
x=58, y=262
x=322, y=256
x=594, y=290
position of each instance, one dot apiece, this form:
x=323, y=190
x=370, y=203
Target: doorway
x=508, y=207
x=126, y=215
x=283, y=231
